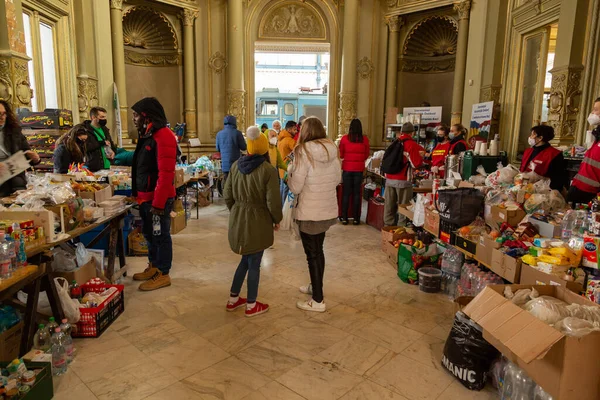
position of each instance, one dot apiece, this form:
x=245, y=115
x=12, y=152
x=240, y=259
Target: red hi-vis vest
x=452, y=146
x=588, y=177
x=438, y=156
x=542, y=160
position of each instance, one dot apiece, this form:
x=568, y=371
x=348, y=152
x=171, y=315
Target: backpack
x=393, y=158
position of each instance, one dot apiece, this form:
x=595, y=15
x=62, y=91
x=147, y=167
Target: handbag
x=459, y=206
x=70, y=306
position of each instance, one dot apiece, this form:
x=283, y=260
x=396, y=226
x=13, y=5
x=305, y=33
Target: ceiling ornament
x=432, y=37
x=292, y=20
x=148, y=29
x=217, y=62
x=364, y=68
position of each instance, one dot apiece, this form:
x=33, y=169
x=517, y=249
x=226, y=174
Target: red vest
x=542, y=160
x=452, y=146
x=588, y=177
x=438, y=156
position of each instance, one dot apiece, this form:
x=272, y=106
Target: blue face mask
x=451, y=135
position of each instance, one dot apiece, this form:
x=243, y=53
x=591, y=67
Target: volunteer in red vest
x=458, y=144
x=586, y=184
x=440, y=151
x=397, y=166
x=547, y=161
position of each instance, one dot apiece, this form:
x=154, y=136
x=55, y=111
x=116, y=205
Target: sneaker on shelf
x=147, y=274
x=156, y=282
x=311, y=305
x=306, y=289
x=234, y=306
x=259, y=308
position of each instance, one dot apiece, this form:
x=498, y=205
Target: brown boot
x=156, y=282
x=147, y=274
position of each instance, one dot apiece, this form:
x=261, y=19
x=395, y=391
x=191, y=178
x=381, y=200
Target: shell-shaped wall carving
x=148, y=29
x=432, y=37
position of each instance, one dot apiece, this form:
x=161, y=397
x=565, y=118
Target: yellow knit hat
x=257, y=143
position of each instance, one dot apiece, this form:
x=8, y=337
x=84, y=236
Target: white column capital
x=188, y=16
x=116, y=4
x=463, y=9
x=394, y=23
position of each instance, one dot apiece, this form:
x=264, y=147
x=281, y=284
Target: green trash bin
x=490, y=163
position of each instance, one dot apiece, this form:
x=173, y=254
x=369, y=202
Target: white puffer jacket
x=315, y=184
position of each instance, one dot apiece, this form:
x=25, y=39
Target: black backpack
x=393, y=158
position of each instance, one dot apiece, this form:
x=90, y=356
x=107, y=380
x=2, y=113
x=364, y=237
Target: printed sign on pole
x=481, y=119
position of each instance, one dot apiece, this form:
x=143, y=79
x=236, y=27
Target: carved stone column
x=463, y=9
x=87, y=81
x=236, y=94
x=118, y=53
x=564, y=102
x=394, y=24
x=15, y=86
x=189, y=82
x=347, y=95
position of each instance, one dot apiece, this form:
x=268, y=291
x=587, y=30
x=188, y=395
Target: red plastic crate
x=94, y=321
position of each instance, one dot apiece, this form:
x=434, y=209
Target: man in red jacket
x=153, y=174
x=398, y=186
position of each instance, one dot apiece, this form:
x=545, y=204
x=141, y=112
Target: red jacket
x=412, y=158
x=588, y=178
x=354, y=155
x=153, y=171
x=542, y=160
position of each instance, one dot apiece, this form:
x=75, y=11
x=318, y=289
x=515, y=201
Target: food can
x=28, y=378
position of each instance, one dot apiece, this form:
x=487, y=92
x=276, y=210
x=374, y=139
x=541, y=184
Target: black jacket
x=94, y=161
x=15, y=141
x=63, y=158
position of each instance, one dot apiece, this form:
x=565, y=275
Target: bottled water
x=19, y=239
x=517, y=384
x=540, y=394
x=52, y=325
x=59, y=355
x=12, y=251
x=65, y=328
x=5, y=265
x=42, y=339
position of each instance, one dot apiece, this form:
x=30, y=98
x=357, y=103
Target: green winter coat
x=252, y=195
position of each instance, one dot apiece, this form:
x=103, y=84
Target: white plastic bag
x=63, y=261
x=287, y=222
x=419, y=211
x=83, y=256
x=70, y=306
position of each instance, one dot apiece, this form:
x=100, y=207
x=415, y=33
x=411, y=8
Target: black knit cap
x=150, y=107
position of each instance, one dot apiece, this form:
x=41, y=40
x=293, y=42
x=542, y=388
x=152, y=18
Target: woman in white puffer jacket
x=313, y=177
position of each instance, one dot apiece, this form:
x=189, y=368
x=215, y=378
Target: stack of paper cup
x=483, y=149
x=494, y=148
x=477, y=149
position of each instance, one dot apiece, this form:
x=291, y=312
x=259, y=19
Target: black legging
x=351, y=187
x=313, y=247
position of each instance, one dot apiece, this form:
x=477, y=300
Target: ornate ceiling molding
x=433, y=36
x=402, y=7
x=364, y=68
x=152, y=59
x=148, y=29
x=292, y=20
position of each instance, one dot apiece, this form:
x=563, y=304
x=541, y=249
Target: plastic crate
x=94, y=321
x=448, y=232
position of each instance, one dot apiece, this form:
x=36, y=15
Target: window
x=40, y=43
x=288, y=109
x=268, y=107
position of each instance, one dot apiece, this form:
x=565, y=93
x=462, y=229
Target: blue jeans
x=160, y=247
x=250, y=264
x=283, y=191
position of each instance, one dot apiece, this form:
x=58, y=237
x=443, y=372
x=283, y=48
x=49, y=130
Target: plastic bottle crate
x=95, y=320
x=448, y=232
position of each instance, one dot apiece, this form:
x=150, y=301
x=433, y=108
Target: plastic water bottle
x=12, y=251
x=540, y=394
x=65, y=329
x=19, y=239
x=5, y=265
x=59, y=355
x=52, y=325
x=41, y=340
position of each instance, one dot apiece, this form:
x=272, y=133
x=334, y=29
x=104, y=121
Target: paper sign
x=481, y=119
x=430, y=116
x=13, y=166
x=195, y=142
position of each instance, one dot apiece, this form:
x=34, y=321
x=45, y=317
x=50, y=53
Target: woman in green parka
x=252, y=196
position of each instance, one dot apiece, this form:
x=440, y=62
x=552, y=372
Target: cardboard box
x=49, y=118
x=391, y=252
x=484, y=249
x=375, y=163
x=98, y=196
x=179, y=177
x=403, y=210
x=10, y=341
x=466, y=245
x=81, y=274
x=546, y=229
x=533, y=276
x=513, y=216
x=432, y=222
x=70, y=214
x=565, y=367
x=44, y=219
x=505, y=266
x=388, y=235
x=178, y=223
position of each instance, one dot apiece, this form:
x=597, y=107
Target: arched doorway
x=293, y=26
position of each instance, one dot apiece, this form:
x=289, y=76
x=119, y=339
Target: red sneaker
x=258, y=309
x=239, y=303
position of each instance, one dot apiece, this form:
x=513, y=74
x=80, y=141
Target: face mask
x=531, y=141
x=273, y=141
x=451, y=135
x=440, y=139
x=594, y=119
x=102, y=122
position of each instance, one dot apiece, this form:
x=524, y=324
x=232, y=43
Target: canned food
x=28, y=378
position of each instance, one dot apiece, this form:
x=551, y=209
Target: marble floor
x=379, y=339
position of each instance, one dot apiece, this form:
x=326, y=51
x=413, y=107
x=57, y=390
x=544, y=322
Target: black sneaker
x=356, y=222
x=344, y=222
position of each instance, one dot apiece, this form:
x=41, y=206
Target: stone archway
x=299, y=22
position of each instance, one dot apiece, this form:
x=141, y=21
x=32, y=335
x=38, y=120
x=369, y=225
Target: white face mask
x=273, y=141
x=594, y=119
x=531, y=141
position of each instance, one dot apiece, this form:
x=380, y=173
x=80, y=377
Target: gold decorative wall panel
x=152, y=59
x=292, y=20
x=217, y=62
x=87, y=96
x=15, y=86
x=432, y=37
x=565, y=99
x=346, y=111
x=236, y=106
x=148, y=29
x=364, y=68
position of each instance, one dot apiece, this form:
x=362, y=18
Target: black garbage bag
x=459, y=206
x=467, y=355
